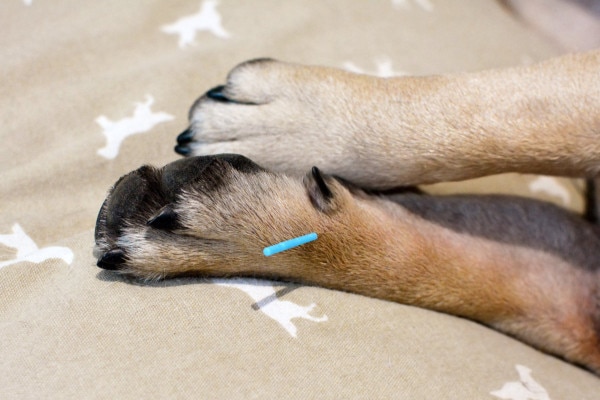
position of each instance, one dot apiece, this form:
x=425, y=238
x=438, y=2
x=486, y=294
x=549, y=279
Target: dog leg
x=382, y=133
x=526, y=268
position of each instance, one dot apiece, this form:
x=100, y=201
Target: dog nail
x=185, y=136
x=326, y=192
x=183, y=150
x=217, y=94
x=165, y=219
x=112, y=259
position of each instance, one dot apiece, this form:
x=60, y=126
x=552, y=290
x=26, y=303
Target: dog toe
x=165, y=219
x=217, y=94
x=183, y=150
x=186, y=136
x=112, y=260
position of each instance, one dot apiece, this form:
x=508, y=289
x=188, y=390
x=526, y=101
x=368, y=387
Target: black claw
x=166, y=219
x=112, y=259
x=327, y=195
x=183, y=150
x=217, y=94
x=185, y=136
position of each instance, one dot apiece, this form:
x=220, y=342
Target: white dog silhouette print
x=425, y=5
x=383, y=65
x=142, y=120
x=524, y=389
x=550, y=186
x=27, y=250
x=265, y=298
x=207, y=19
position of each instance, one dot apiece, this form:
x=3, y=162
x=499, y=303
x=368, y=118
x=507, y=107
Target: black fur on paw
x=146, y=200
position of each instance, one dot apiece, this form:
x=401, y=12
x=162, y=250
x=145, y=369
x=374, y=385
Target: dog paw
x=209, y=216
x=287, y=117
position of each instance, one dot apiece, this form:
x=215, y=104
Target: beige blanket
x=93, y=89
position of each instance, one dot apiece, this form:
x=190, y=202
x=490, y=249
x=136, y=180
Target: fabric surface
x=92, y=90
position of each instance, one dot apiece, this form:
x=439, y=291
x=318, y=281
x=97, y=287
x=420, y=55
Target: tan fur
x=377, y=133
x=386, y=132
x=373, y=247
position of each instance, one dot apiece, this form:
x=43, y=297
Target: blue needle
x=289, y=244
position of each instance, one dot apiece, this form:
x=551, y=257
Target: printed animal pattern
x=383, y=69
x=142, y=120
x=207, y=19
x=262, y=295
x=526, y=388
x=267, y=301
x=28, y=251
x=425, y=5
x=551, y=187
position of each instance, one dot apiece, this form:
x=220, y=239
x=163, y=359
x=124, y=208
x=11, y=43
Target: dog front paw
x=210, y=216
x=287, y=117
x=158, y=222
